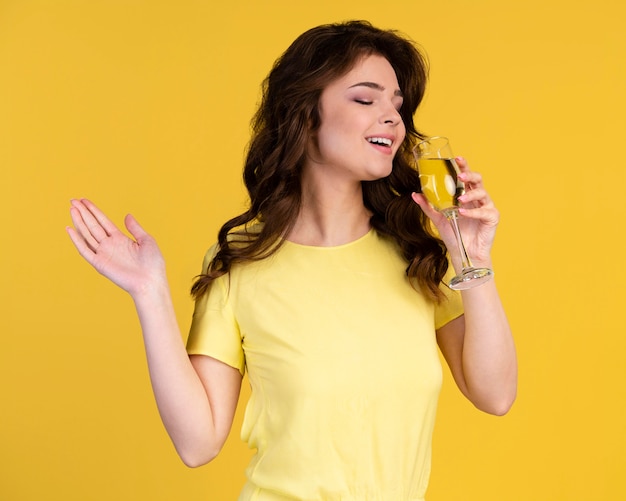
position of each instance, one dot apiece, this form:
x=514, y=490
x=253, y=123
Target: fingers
x=487, y=215
x=99, y=218
x=78, y=213
x=475, y=197
x=81, y=245
x=470, y=179
x=475, y=202
x=91, y=225
x=474, y=189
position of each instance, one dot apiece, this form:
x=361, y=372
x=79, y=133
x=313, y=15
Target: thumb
x=420, y=200
x=438, y=219
x=135, y=229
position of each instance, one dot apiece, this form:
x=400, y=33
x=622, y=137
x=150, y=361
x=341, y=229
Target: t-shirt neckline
x=356, y=241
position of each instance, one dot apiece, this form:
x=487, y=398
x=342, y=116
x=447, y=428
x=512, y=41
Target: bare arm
x=196, y=397
x=480, y=352
x=477, y=346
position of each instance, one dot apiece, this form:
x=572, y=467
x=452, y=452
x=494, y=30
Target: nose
x=390, y=115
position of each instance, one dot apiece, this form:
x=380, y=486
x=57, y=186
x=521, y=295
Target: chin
x=379, y=174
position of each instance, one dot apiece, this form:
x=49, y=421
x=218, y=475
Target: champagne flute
x=439, y=177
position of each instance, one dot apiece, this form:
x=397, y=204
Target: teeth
x=379, y=140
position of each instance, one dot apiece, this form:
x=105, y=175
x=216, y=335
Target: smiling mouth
x=381, y=141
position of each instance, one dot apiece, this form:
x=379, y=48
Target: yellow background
x=144, y=107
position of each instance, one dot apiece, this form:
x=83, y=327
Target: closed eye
x=363, y=101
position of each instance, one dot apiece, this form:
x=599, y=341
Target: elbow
x=496, y=407
x=197, y=458
x=495, y=399
x=195, y=462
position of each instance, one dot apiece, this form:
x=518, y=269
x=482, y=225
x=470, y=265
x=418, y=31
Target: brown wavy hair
x=281, y=127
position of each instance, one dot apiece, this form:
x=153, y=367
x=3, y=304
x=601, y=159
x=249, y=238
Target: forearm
x=488, y=358
x=181, y=398
x=196, y=411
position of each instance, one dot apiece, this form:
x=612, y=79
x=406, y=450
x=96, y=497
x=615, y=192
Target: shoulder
x=237, y=238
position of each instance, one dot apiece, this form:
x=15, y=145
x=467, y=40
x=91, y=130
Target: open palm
x=130, y=264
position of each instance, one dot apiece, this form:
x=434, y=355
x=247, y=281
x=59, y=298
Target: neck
x=331, y=214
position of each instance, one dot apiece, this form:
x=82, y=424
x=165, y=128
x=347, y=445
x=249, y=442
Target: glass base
x=470, y=277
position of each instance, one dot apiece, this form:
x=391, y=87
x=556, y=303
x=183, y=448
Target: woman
x=327, y=290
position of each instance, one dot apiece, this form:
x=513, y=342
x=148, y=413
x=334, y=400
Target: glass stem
x=452, y=216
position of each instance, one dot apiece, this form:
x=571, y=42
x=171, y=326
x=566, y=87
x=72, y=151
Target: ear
x=313, y=123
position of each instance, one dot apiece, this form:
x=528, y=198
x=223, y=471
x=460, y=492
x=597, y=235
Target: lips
x=382, y=143
x=380, y=140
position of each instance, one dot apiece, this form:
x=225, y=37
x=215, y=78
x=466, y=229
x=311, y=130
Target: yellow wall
x=144, y=106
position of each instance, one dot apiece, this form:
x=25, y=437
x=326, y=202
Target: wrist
x=151, y=289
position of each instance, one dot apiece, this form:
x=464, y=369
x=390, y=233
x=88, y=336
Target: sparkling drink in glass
x=439, y=177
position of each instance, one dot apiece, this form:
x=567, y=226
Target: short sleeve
x=451, y=306
x=214, y=330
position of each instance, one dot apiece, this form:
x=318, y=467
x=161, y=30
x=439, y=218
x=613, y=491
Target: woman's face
x=361, y=127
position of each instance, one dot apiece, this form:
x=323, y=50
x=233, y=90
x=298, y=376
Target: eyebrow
x=375, y=86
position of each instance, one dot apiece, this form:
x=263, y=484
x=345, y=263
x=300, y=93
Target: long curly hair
x=288, y=114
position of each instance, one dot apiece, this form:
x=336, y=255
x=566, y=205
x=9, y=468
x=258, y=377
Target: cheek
x=401, y=135
x=325, y=144
x=402, y=130
x=333, y=135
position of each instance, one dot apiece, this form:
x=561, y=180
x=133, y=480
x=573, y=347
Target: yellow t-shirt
x=342, y=360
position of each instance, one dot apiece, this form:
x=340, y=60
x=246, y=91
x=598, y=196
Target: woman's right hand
x=131, y=264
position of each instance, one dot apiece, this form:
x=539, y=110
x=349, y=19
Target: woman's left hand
x=477, y=222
